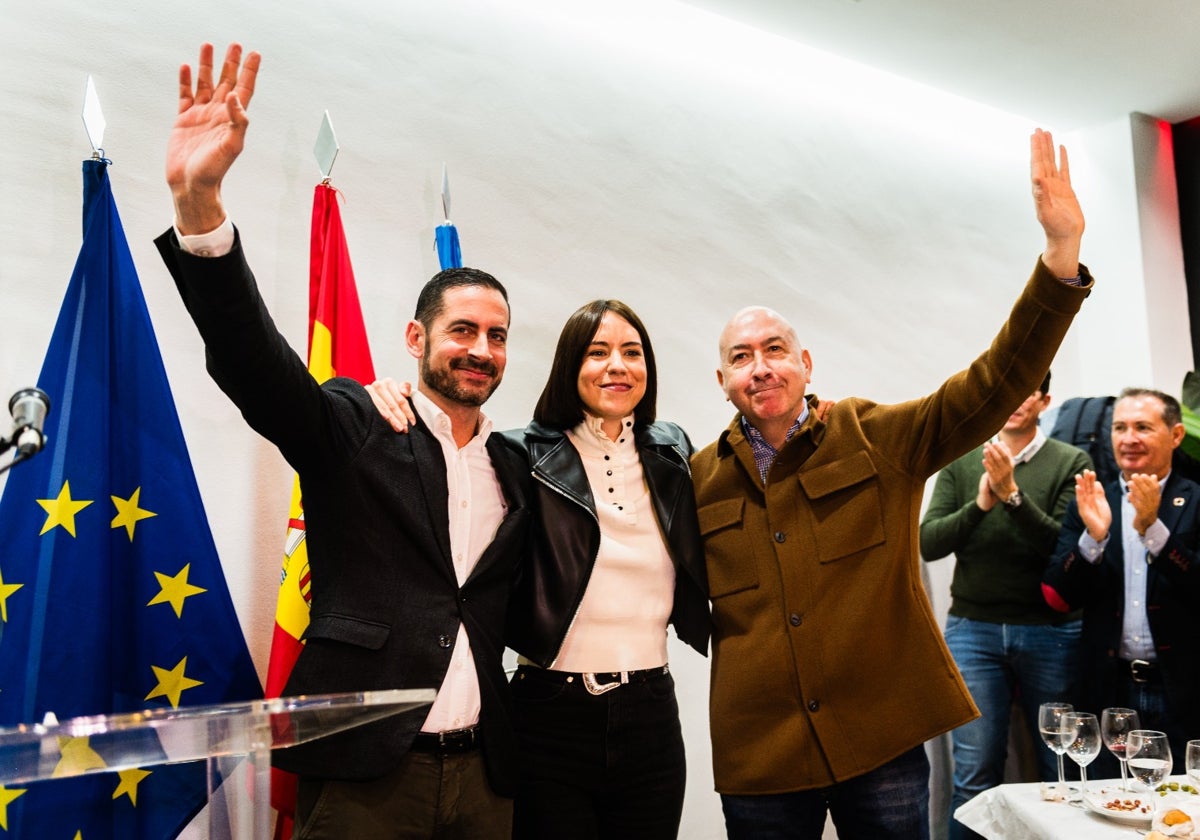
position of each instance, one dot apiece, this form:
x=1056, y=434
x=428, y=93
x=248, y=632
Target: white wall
x=1135, y=330
x=639, y=150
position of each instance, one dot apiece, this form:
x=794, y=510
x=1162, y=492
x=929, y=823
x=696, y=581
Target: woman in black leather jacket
x=617, y=557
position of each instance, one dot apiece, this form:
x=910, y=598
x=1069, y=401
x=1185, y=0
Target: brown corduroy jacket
x=827, y=659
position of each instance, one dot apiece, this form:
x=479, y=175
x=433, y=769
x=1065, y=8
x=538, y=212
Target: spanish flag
x=337, y=342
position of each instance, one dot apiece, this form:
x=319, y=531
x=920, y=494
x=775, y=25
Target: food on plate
x=1128, y=806
x=1174, y=823
x=1175, y=817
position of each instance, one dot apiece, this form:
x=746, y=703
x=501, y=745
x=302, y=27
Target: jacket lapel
x=509, y=472
x=510, y=475
x=431, y=473
x=1116, y=537
x=1176, y=499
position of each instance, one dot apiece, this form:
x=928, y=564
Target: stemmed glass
x=1193, y=763
x=1054, y=731
x=1085, y=745
x=1115, y=724
x=1149, y=757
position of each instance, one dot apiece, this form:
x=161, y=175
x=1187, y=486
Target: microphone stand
x=5, y=445
x=27, y=424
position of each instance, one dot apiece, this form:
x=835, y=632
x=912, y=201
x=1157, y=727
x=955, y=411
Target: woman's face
x=612, y=378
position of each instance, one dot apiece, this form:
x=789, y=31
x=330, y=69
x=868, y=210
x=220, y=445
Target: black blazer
x=386, y=604
x=1172, y=602
x=566, y=538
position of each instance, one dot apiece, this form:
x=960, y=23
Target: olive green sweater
x=1002, y=553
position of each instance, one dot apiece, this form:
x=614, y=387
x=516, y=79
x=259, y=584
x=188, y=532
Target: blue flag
x=112, y=597
x=449, y=253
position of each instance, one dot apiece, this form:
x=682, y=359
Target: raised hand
x=208, y=135
x=1145, y=496
x=985, y=499
x=998, y=466
x=1057, y=208
x=1093, y=505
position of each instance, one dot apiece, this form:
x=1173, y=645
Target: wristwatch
x=1014, y=500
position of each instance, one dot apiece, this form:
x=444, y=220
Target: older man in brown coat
x=829, y=671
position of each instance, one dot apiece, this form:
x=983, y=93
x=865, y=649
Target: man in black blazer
x=1127, y=554
x=413, y=539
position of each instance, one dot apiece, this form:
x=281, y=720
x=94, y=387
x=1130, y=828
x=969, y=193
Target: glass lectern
x=223, y=736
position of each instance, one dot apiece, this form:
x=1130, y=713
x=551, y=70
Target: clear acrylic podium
x=224, y=736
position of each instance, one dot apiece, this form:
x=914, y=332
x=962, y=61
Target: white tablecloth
x=1018, y=812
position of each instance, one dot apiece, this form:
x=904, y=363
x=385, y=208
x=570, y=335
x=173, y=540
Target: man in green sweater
x=998, y=509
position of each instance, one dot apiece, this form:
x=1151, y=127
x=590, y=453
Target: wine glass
x=1054, y=733
x=1149, y=757
x=1115, y=724
x=1193, y=763
x=1085, y=745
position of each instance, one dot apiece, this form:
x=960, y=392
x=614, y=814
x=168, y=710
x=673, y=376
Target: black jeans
x=608, y=765
x=426, y=796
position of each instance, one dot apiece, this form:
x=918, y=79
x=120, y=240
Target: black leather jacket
x=566, y=538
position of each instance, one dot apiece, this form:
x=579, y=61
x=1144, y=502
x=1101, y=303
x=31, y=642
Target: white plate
x=1096, y=799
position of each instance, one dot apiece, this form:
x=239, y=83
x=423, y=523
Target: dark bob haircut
x=560, y=406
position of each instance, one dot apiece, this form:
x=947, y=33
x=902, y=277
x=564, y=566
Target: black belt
x=596, y=682
x=1140, y=671
x=450, y=741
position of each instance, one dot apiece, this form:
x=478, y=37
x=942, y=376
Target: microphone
x=28, y=408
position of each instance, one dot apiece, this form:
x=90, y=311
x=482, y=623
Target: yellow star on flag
x=128, y=512
x=77, y=757
x=172, y=683
x=6, y=589
x=7, y=795
x=130, y=779
x=61, y=511
x=173, y=591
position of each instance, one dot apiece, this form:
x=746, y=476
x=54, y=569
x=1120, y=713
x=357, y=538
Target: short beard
x=441, y=381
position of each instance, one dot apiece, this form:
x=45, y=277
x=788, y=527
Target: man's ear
x=1178, y=431
x=414, y=338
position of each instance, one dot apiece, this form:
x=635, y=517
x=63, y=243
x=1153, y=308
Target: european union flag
x=112, y=597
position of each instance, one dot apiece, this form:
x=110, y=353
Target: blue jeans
x=888, y=803
x=597, y=766
x=1150, y=700
x=1034, y=663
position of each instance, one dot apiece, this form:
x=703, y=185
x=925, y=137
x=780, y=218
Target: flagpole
x=446, y=234
x=337, y=346
x=112, y=596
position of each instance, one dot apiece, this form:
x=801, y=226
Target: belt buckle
x=1134, y=666
x=456, y=739
x=596, y=688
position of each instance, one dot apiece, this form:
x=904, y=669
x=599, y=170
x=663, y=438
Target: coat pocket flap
x=729, y=555
x=839, y=475
x=720, y=515
x=343, y=628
